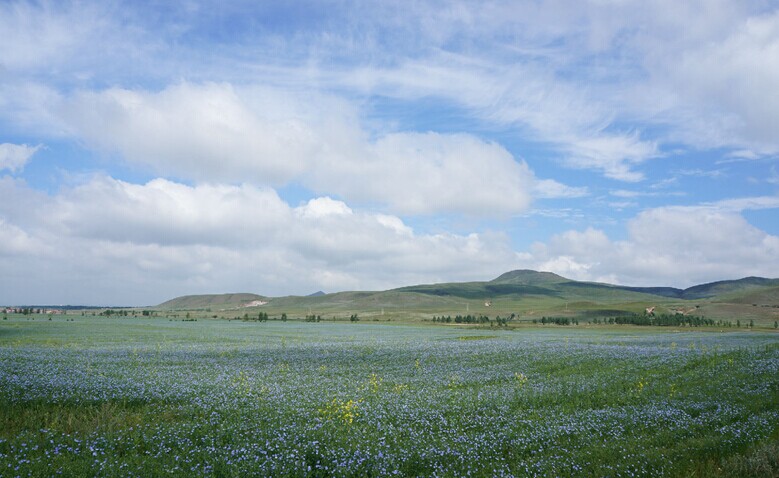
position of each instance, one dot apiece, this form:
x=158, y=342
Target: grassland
x=154, y=396
x=526, y=294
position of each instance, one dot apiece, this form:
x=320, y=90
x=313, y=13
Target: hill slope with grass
x=730, y=288
x=212, y=301
x=526, y=283
x=526, y=290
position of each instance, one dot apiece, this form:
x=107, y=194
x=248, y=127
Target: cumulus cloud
x=148, y=242
x=215, y=132
x=166, y=213
x=203, y=131
x=13, y=157
x=111, y=241
x=322, y=207
x=417, y=173
x=678, y=246
x=16, y=241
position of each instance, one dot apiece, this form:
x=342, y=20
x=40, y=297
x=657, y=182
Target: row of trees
x=261, y=317
x=557, y=321
x=318, y=318
x=664, y=320
x=264, y=317
x=127, y=313
x=473, y=319
x=26, y=311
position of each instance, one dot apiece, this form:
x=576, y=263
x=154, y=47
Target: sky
x=154, y=149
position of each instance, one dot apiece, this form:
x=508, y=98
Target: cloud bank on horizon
x=152, y=150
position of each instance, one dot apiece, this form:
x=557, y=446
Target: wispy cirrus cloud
x=13, y=157
x=584, y=79
x=527, y=97
x=746, y=203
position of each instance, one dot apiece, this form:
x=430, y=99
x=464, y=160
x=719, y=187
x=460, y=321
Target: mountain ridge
x=516, y=284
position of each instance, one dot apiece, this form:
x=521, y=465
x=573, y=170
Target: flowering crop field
x=150, y=397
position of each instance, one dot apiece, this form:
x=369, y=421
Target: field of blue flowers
x=152, y=397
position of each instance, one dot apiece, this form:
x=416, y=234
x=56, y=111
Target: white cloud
x=167, y=213
x=110, y=241
x=609, y=86
x=35, y=35
x=531, y=98
x=21, y=205
x=678, y=246
x=591, y=78
x=729, y=82
x=417, y=173
x=627, y=193
x=13, y=157
x=207, y=132
x=748, y=203
x=26, y=107
x=215, y=132
x=17, y=242
x=551, y=189
x=324, y=206
x=77, y=41
x=614, y=155
x=701, y=73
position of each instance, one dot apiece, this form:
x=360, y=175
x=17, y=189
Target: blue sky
x=155, y=149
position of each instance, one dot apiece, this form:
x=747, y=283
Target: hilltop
x=213, y=301
x=526, y=292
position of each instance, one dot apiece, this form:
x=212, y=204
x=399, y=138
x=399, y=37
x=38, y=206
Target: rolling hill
x=527, y=283
x=526, y=291
x=211, y=301
x=730, y=288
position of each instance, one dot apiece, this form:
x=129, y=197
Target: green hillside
x=757, y=296
x=729, y=288
x=524, y=292
x=210, y=301
x=524, y=284
x=524, y=276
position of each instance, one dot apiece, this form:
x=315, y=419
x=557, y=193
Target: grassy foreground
x=148, y=397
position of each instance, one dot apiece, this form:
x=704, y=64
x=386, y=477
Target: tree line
x=474, y=319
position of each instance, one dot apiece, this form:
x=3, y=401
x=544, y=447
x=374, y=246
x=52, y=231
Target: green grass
x=526, y=294
x=208, y=301
x=151, y=396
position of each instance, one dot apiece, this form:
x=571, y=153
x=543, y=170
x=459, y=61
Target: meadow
x=127, y=396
